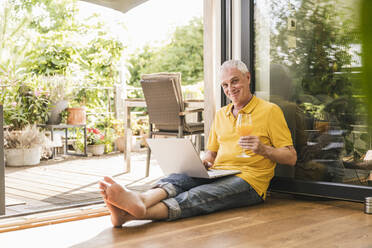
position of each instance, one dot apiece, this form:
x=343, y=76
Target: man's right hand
x=209, y=158
x=207, y=164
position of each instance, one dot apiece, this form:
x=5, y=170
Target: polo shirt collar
x=247, y=108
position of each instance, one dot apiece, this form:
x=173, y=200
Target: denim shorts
x=189, y=196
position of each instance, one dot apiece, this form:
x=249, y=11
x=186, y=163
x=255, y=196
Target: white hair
x=234, y=63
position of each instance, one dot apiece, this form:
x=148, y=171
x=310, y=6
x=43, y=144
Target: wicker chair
x=166, y=109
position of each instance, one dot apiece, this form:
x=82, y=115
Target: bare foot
x=118, y=216
x=122, y=198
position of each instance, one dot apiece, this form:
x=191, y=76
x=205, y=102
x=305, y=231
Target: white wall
x=212, y=58
x=236, y=30
x=262, y=49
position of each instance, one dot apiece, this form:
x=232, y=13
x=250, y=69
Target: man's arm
x=282, y=155
x=209, y=158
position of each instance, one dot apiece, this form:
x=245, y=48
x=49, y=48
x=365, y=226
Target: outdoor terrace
x=71, y=182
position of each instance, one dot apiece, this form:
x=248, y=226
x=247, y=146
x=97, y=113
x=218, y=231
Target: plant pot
x=55, y=117
x=76, y=116
x=96, y=150
x=120, y=143
x=23, y=156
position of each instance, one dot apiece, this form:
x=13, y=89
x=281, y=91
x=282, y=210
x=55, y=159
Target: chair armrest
x=194, y=103
x=190, y=111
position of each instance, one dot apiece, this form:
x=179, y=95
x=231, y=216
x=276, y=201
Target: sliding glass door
x=307, y=61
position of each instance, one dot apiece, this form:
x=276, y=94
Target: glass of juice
x=244, y=127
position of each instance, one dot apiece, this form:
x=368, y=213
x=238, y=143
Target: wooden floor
x=74, y=181
x=282, y=221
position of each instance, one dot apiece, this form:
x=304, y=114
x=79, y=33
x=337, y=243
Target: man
x=179, y=196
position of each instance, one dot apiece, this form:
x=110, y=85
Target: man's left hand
x=251, y=143
x=282, y=155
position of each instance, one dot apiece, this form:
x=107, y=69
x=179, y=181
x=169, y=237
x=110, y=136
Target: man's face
x=236, y=85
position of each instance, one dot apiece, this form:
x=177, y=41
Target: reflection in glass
x=310, y=66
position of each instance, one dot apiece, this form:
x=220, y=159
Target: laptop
x=180, y=156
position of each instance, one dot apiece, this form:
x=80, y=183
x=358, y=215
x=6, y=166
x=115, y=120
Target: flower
x=95, y=137
x=37, y=93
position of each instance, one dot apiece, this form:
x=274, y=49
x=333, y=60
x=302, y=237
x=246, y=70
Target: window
x=307, y=60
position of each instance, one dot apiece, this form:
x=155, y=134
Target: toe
x=109, y=180
x=103, y=185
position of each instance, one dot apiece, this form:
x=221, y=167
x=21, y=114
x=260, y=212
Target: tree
x=319, y=51
x=183, y=54
x=140, y=62
x=64, y=45
x=48, y=15
x=58, y=44
x=14, y=42
x=324, y=33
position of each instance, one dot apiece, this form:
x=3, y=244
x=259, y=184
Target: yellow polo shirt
x=271, y=128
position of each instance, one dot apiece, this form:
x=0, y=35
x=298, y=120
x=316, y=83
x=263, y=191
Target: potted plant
x=27, y=104
x=24, y=147
x=105, y=123
x=76, y=111
x=140, y=128
x=95, y=141
x=57, y=86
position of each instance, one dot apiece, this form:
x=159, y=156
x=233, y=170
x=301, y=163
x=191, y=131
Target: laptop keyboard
x=217, y=172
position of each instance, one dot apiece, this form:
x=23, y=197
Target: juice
x=244, y=130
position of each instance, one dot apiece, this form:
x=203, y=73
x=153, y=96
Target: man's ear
x=248, y=75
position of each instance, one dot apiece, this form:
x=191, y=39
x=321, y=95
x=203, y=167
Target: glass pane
x=308, y=62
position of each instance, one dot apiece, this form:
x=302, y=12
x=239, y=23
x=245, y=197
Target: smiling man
x=179, y=196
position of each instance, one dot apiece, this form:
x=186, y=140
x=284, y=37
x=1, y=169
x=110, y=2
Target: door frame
x=2, y=164
x=290, y=185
